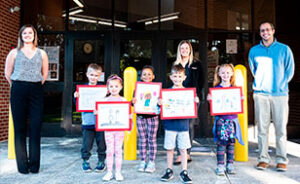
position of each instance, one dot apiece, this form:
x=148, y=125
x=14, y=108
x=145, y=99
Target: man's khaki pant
x=275, y=108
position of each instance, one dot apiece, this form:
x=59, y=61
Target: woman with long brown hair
x=26, y=70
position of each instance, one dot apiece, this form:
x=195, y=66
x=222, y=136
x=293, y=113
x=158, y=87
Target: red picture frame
x=226, y=101
x=147, y=95
x=178, y=103
x=88, y=95
x=113, y=116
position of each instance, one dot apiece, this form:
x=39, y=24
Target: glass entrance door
x=158, y=50
x=86, y=51
x=83, y=48
x=114, y=52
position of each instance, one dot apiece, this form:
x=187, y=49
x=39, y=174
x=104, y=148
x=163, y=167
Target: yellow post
x=11, y=137
x=241, y=152
x=130, y=78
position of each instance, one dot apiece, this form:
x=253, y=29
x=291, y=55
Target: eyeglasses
x=267, y=30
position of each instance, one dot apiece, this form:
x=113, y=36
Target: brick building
x=9, y=27
x=117, y=34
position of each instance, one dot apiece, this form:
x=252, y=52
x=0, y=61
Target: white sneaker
x=230, y=168
x=108, y=176
x=150, y=167
x=119, y=176
x=141, y=167
x=220, y=170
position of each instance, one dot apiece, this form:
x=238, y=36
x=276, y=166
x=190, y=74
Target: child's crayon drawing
x=147, y=96
x=178, y=103
x=226, y=101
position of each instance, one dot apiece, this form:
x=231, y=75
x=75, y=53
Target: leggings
x=114, y=142
x=229, y=148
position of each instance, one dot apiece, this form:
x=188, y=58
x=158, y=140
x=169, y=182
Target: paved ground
x=61, y=164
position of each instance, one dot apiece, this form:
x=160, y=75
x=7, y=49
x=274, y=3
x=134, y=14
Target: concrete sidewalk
x=61, y=164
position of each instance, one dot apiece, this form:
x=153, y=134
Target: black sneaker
x=100, y=167
x=168, y=176
x=184, y=177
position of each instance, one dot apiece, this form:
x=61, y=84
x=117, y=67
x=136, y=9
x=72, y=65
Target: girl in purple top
x=226, y=127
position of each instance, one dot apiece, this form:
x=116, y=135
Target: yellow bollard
x=240, y=151
x=11, y=137
x=130, y=142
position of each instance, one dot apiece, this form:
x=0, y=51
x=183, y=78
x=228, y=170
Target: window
x=229, y=14
x=182, y=15
x=136, y=14
x=264, y=10
x=45, y=15
x=90, y=15
x=135, y=53
x=53, y=91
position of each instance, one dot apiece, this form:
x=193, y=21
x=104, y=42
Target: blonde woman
x=194, y=78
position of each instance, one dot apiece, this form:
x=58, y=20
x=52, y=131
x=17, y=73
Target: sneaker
x=230, y=169
x=119, y=176
x=168, y=175
x=108, y=176
x=141, y=167
x=220, y=170
x=86, y=166
x=281, y=167
x=100, y=167
x=150, y=167
x=262, y=165
x=185, y=177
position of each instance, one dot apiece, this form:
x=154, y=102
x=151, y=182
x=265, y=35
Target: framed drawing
x=113, y=116
x=226, y=101
x=178, y=103
x=147, y=95
x=88, y=96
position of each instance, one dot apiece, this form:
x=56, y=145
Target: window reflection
x=44, y=15
x=264, y=11
x=86, y=52
x=182, y=15
x=217, y=54
x=89, y=15
x=135, y=14
x=229, y=14
x=135, y=53
x=53, y=90
x=54, y=40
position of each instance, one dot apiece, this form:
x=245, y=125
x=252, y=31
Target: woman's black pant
x=27, y=101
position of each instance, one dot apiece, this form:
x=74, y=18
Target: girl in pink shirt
x=114, y=139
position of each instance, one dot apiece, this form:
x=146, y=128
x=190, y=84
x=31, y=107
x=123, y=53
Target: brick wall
x=9, y=26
